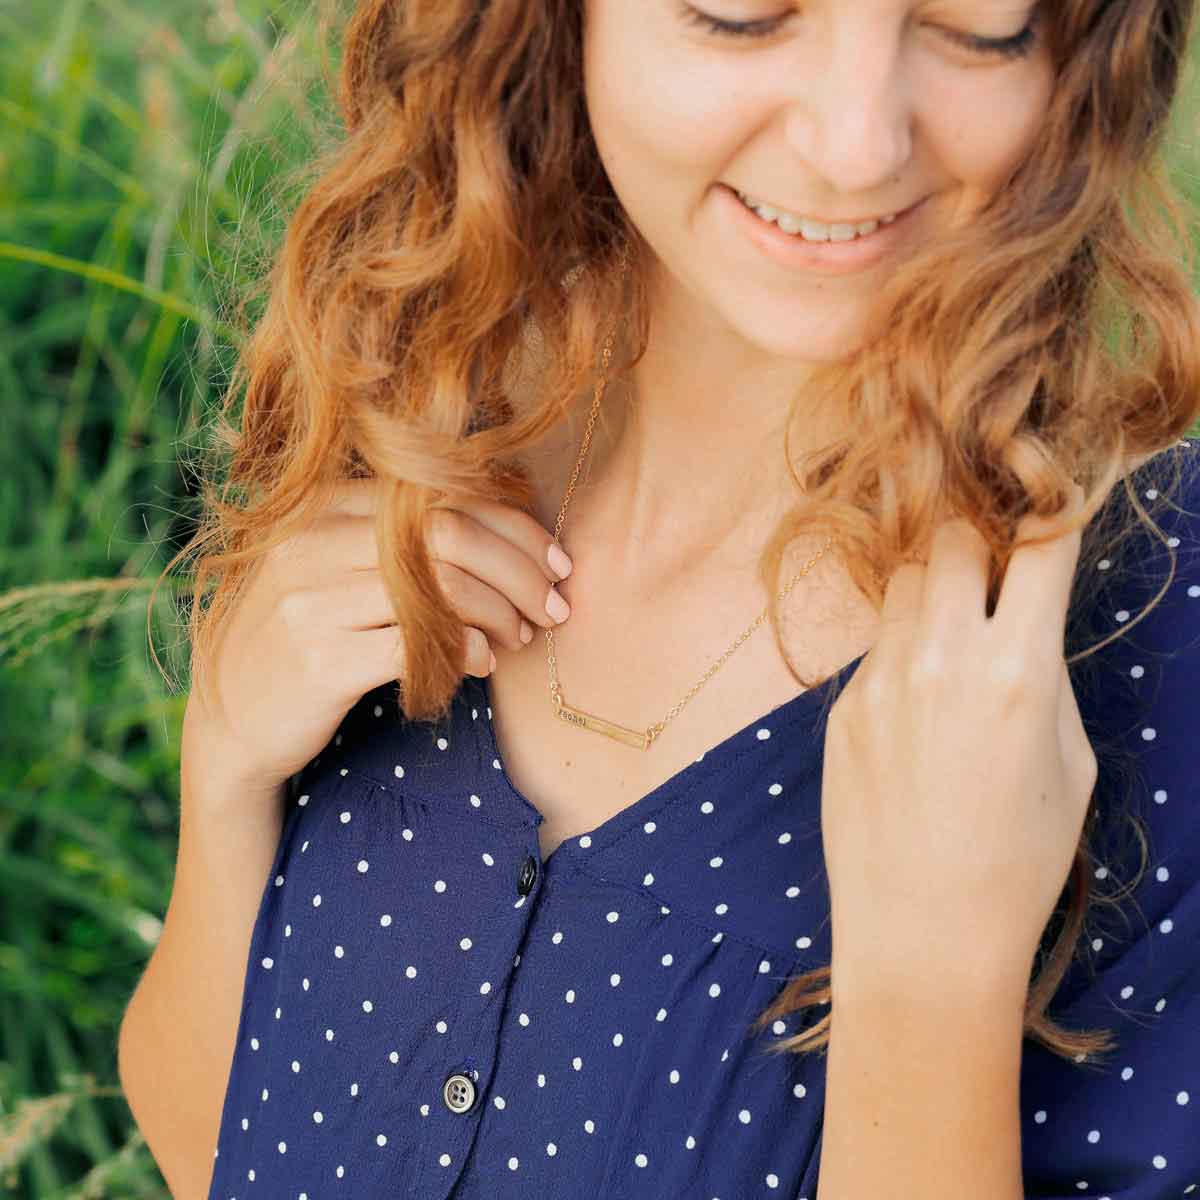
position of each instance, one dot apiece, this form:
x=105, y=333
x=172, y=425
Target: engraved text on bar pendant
x=582, y=720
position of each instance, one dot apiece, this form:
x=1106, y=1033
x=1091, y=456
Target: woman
x=850, y=270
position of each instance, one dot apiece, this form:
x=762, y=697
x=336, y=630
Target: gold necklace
x=584, y=720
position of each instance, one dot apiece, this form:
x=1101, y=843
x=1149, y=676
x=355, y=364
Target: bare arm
x=923, y=1097
x=176, y=1041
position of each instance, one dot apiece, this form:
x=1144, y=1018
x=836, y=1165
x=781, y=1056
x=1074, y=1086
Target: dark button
x=458, y=1092
x=526, y=875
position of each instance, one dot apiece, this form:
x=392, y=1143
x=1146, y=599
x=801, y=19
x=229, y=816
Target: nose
x=852, y=116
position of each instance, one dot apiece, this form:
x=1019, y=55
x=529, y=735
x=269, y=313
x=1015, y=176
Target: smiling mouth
x=816, y=232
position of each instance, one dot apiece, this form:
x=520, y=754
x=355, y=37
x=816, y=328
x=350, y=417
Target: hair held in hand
x=461, y=216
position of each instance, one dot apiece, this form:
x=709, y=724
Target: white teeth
x=813, y=231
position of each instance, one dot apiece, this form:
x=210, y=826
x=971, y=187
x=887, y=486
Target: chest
x=633, y=665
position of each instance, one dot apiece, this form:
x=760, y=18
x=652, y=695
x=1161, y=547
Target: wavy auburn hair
x=463, y=213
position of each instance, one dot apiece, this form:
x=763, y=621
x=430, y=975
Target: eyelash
x=1017, y=46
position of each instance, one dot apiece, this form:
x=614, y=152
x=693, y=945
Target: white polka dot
x=640, y=1159
x=411, y=972
x=268, y=963
x=283, y=1147
x=1103, y=564
x=442, y=743
x=1137, y=671
x=649, y=827
x=1181, y=1098
x=585, y=841
x=706, y=807
x=1127, y=1074
x=667, y=960
x=772, y=1180
x=1160, y=796
x=398, y=771
x=612, y=917
x=362, y=866
x=464, y=944
x=1040, y=1116
x=551, y=1149
x=690, y=1143
x=714, y=989
x=1093, y=1136
x=764, y=967
x=488, y=860
x=577, y=1063
x=763, y=734
x=1159, y=1162
x=498, y=1101
x=512, y=1163
x=618, y=1038
x=589, y=1126
x=344, y=818
x=1148, y=734
x=1194, y=590
x=380, y=1139
x=744, y=1116
x=385, y=920
x=570, y=996
x=1122, y=615
x=444, y=1159
x=367, y=1006
x=674, y=1076
x=439, y=885
x=317, y=901
x=485, y=987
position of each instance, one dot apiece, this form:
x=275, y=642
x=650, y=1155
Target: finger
x=515, y=526
x=898, y=618
x=954, y=600
x=456, y=537
x=479, y=604
x=1036, y=590
x=478, y=657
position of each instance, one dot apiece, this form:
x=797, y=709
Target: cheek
x=980, y=131
x=655, y=116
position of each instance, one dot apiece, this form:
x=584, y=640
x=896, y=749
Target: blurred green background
x=146, y=148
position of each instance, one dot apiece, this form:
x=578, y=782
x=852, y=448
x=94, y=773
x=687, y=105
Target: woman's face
x=839, y=110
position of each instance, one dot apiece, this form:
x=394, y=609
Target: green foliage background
x=145, y=147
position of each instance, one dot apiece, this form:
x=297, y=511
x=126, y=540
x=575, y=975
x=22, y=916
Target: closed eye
x=1017, y=46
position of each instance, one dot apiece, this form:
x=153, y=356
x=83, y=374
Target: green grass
x=142, y=145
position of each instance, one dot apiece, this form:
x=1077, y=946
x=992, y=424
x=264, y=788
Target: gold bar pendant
x=582, y=720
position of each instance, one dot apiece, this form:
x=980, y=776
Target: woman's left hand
x=957, y=773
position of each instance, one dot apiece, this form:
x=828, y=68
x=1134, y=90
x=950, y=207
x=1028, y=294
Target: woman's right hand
x=313, y=630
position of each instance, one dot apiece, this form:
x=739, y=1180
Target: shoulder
x=1123, y=1121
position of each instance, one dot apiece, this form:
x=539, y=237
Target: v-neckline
x=804, y=705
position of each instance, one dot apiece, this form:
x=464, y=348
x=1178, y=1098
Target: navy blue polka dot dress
x=431, y=1010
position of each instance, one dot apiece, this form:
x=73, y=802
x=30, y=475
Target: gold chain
x=580, y=719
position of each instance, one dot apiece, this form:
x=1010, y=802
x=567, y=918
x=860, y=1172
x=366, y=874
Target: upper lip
x=830, y=220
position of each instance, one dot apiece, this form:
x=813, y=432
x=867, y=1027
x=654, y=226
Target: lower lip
x=826, y=258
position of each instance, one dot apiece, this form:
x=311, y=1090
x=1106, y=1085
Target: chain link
x=654, y=730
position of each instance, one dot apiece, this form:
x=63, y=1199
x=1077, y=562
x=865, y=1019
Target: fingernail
x=556, y=606
x=560, y=564
x=526, y=632
x=492, y=659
